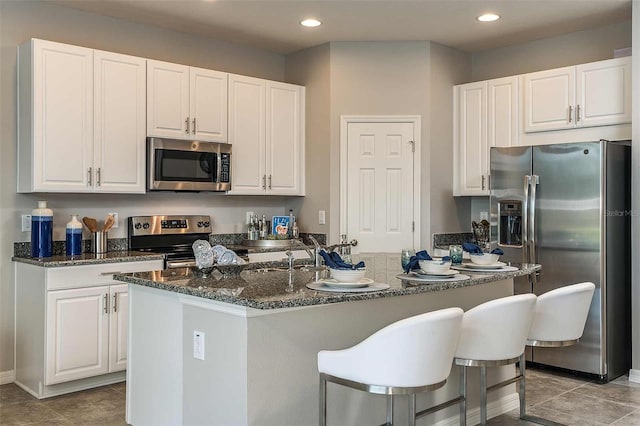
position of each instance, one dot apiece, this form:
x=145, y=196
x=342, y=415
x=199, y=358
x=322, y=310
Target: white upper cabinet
x=470, y=164
x=603, y=94
x=186, y=103
x=502, y=112
x=285, y=139
x=594, y=94
x=81, y=119
x=119, y=123
x=55, y=107
x=266, y=130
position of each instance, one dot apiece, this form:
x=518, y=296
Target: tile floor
x=565, y=399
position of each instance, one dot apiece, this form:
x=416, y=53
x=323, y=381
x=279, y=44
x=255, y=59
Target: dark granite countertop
x=88, y=259
x=270, y=289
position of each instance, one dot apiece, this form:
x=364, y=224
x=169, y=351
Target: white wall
x=570, y=49
x=22, y=20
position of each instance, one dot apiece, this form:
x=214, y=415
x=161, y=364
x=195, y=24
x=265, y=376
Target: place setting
x=345, y=277
x=421, y=268
x=483, y=262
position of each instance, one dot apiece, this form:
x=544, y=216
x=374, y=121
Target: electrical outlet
x=198, y=345
x=116, y=220
x=26, y=223
x=247, y=219
x=321, y=217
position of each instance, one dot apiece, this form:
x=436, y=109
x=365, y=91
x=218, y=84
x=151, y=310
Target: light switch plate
x=321, y=217
x=26, y=223
x=198, y=345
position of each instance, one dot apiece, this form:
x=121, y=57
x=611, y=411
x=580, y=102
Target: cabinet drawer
x=92, y=275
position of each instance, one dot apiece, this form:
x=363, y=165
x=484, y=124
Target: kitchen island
x=259, y=336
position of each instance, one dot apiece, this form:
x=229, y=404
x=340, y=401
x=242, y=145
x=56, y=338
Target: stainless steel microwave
x=177, y=165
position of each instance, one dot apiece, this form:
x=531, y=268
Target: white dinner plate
x=479, y=266
x=332, y=282
x=424, y=279
x=448, y=274
x=323, y=287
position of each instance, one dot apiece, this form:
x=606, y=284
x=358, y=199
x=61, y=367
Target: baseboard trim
x=7, y=377
x=634, y=375
x=494, y=409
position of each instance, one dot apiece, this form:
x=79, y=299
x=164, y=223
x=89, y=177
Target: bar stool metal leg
x=463, y=394
x=412, y=409
x=323, y=401
x=521, y=393
x=390, y=409
x=483, y=395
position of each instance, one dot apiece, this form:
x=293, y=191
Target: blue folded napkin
x=473, y=248
x=334, y=261
x=414, y=261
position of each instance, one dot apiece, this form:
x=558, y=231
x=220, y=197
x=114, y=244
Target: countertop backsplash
x=443, y=241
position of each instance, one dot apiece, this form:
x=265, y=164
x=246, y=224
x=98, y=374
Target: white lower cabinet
x=72, y=326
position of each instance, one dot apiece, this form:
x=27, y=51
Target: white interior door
x=380, y=198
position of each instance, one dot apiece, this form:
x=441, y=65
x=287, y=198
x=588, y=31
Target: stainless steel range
x=170, y=235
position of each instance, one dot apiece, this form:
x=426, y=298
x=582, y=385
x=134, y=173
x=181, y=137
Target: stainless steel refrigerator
x=567, y=207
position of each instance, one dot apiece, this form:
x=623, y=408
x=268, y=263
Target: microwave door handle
x=525, y=220
x=218, y=176
x=532, y=228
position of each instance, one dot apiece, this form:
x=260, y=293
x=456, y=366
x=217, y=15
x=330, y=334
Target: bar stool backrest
x=496, y=330
x=560, y=314
x=412, y=352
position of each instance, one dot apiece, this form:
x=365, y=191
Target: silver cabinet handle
x=194, y=126
x=483, y=182
x=89, y=177
x=115, y=302
x=264, y=181
x=186, y=125
x=106, y=303
x=269, y=181
x=570, y=112
x=98, y=176
x=110, y=273
x=577, y=113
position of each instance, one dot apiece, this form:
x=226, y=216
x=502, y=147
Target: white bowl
x=434, y=266
x=484, y=258
x=347, y=275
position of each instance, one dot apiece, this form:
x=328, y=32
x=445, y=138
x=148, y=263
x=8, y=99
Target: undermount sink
x=268, y=243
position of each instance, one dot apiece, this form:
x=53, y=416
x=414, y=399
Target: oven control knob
x=145, y=226
x=200, y=224
x=206, y=224
x=138, y=225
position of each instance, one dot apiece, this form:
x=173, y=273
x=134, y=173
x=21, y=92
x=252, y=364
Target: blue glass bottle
x=42, y=231
x=74, y=236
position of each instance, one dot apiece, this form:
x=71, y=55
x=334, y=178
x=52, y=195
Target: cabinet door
x=168, y=100
x=118, y=327
x=285, y=139
x=77, y=334
x=502, y=112
x=549, y=99
x=247, y=134
x=208, y=99
x=62, y=96
x=120, y=122
x=604, y=93
x=470, y=166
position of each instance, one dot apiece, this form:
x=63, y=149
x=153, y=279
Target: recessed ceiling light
x=310, y=22
x=488, y=17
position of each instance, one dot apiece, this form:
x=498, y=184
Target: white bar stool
x=559, y=319
x=409, y=356
x=493, y=334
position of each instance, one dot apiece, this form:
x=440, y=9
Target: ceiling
x=274, y=25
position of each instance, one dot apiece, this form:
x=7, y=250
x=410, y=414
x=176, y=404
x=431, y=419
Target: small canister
x=99, y=242
x=74, y=237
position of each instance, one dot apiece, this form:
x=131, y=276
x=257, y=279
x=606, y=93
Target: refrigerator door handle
x=525, y=220
x=534, y=181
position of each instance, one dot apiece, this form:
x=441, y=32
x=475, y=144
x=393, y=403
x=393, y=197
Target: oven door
x=175, y=165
